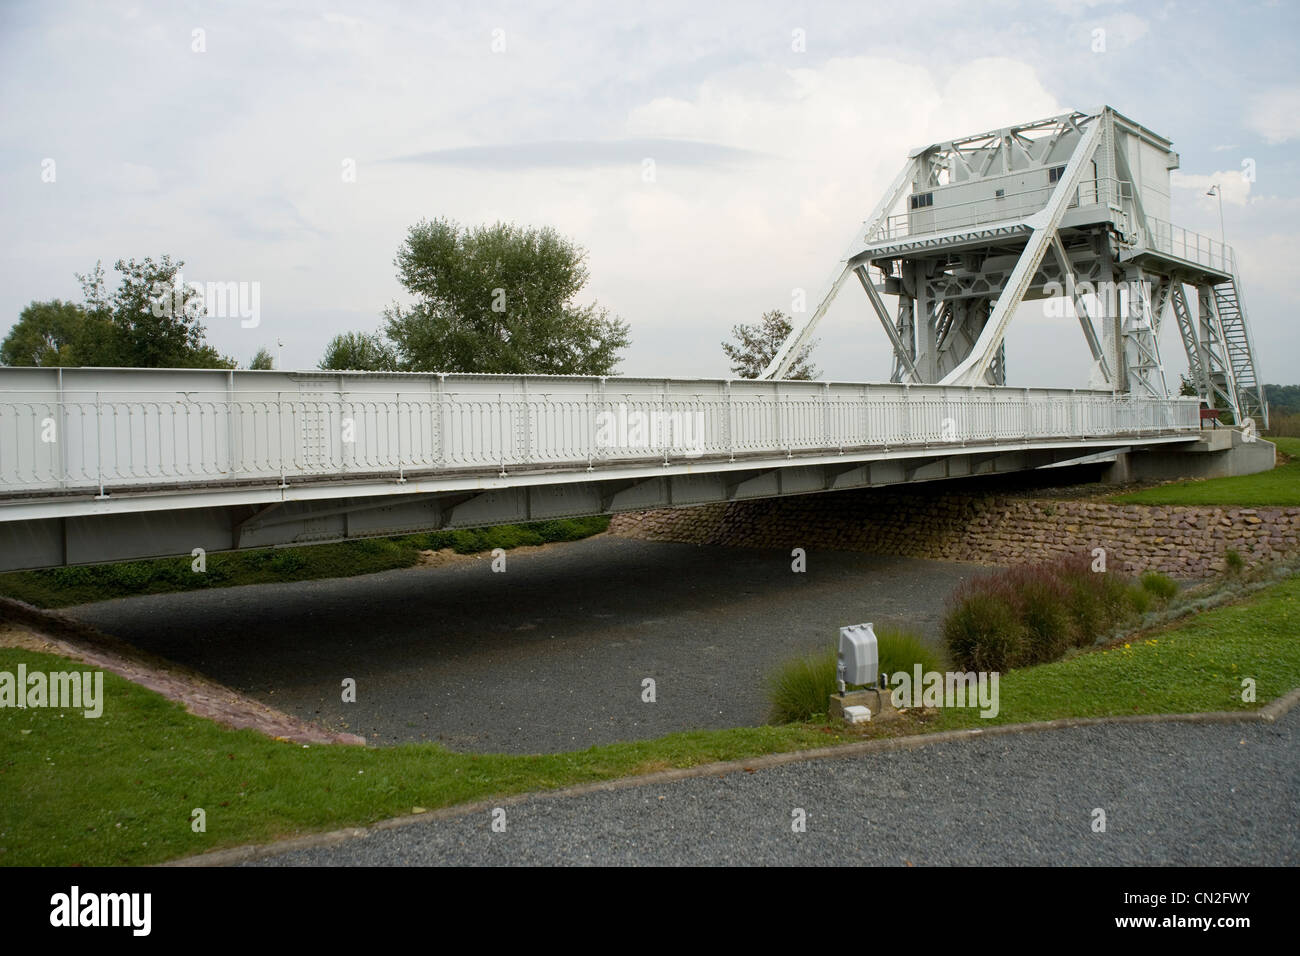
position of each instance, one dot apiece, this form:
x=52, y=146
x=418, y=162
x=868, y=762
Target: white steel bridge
x=111, y=464
x=108, y=464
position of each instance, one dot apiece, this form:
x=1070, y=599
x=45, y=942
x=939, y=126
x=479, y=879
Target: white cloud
x=1077, y=7
x=1236, y=188
x=1124, y=29
x=136, y=178
x=244, y=145
x=1275, y=115
x=740, y=241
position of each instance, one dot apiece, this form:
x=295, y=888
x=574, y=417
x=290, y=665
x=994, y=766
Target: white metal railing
x=111, y=439
x=1176, y=241
x=1017, y=205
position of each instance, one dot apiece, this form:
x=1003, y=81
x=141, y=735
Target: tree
x=499, y=299
x=154, y=321
x=262, y=361
x=1283, y=399
x=1186, y=386
x=756, y=345
x=56, y=333
x=357, y=351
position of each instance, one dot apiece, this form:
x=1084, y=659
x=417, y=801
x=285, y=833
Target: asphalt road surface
x=550, y=655
x=1172, y=794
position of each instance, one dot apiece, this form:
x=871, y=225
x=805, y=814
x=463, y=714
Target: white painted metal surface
x=107, y=430
x=1191, y=246
x=961, y=240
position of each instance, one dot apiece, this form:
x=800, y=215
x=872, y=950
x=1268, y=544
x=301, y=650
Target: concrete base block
x=1218, y=453
x=878, y=702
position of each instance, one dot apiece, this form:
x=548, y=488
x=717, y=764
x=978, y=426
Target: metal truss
x=959, y=285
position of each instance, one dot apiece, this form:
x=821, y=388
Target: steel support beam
x=1044, y=225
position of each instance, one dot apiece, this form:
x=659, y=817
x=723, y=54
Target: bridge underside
x=117, y=528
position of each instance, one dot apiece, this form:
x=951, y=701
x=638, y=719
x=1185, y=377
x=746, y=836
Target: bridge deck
x=98, y=464
x=106, y=431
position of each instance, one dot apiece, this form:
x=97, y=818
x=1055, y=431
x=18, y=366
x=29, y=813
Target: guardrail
x=1193, y=246
x=1016, y=205
x=109, y=439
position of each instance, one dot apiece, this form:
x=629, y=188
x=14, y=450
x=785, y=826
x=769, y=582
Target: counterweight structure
x=1075, y=206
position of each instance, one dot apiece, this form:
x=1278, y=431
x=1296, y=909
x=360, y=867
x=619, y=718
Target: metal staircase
x=1240, y=354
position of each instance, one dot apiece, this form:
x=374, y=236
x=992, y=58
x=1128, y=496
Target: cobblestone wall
x=991, y=529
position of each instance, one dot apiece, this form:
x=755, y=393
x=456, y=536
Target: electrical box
x=859, y=658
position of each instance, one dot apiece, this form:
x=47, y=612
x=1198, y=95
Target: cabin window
x=921, y=200
x=1055, y=173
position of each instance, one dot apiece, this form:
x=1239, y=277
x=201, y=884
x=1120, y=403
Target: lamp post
x=1215, y=190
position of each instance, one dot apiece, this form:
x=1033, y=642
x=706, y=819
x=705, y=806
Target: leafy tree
x=499, y=299
x=155, y=322
x=1186, y=387
x=262, y=361
x=756, y=345
x=56, y=333
x=357, y=351
x=1283, y=398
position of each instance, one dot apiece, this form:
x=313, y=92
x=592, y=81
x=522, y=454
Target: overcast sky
x=766, y=157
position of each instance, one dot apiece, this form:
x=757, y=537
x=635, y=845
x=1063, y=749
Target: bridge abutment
x=1220, y=453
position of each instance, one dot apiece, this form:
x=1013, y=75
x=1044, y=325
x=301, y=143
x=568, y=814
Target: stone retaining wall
x=1181, y=541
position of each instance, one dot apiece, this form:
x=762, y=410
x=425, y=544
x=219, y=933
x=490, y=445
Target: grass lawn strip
x=1279, y=487
x=120, y=789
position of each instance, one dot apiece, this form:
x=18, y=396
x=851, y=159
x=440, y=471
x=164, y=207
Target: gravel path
x=1173, y=794
x=548, y=656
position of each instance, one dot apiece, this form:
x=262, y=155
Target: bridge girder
x=132, y=535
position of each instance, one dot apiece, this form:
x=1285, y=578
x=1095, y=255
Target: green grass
x=1279, y=487
x=120, y=789
x=62, y=587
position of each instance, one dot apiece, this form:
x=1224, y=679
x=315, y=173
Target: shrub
x=1087, y=613
x=1139, y=599
x=286, y=561
x=801, y=688
x=1115, y=596
x=1160, y=586
x=1045, y=613
x=984, y=633
x=1233, y=562
x=901, y=650
x=1034, y=614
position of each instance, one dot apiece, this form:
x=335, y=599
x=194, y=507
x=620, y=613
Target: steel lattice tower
x=1075, y=205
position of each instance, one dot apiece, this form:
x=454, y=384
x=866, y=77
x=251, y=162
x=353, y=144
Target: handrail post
x=528, y=420
x=397, y=410
x=63, y=435
x=731, y=425
x=664, y=422
x=441, y=460
x=99, y=444
x=230, y=423
x=279, y=421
